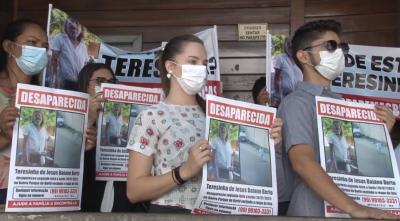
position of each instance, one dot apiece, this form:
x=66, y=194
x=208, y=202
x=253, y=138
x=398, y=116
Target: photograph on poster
x=49, y=138
x=239, y=154
x=36, y=137
x=72, y=46
x=115, y=123
x=350, y=147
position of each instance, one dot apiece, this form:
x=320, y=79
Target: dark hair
x=257, y=87
x=310, y=32
x=172, y=48
x=86, y=74
x=11, y=32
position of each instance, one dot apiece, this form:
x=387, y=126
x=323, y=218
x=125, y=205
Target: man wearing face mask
x=319, y=52
x=69, y=55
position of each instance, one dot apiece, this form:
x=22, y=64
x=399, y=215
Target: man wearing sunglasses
x=319, y=52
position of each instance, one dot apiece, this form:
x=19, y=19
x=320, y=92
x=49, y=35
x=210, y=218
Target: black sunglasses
x=331, y=46
x=100, y=80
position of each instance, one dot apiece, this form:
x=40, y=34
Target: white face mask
x=331, y=65
x=193, y=78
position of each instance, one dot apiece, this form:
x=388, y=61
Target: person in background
x=261, y=96
x=69, y=55
x=287, y=75
x=23, y=54
x=259, y=92
x=100, y=196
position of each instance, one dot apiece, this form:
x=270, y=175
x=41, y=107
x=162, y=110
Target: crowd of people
x=165, y=164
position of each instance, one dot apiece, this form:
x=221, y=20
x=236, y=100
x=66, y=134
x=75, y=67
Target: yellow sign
x=252, y=32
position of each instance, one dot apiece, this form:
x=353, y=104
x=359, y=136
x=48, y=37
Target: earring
x=169, y=74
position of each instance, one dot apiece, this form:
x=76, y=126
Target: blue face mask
x=32, y=60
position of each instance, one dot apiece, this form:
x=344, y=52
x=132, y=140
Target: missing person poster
x=47, y=150
x=123, y=104
x=240, y=179
x=371, y=76
x=357, y=153
x=72, y=46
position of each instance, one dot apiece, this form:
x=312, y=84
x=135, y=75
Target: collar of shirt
x=317, y=90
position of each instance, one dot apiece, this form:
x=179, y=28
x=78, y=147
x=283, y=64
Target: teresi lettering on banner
x=123, y=104
x=357, y=153
x=46, y=160
x=239, y=135
x=371, y=76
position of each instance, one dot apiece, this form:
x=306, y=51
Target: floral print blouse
x=167, y=132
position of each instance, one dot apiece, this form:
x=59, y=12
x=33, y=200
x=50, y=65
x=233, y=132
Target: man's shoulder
x=297, y=97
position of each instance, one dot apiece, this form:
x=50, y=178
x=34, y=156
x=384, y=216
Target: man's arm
x=304, y=164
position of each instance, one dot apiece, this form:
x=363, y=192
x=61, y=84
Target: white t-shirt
x=71, y=58
x=36, y=138
x=223, y=153
x=114, y=125
x=168, y=132
x=339, y=146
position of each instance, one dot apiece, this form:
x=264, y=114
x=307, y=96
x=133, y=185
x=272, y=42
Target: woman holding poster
x=23, y=54
x=99, y=196
x=169, y=136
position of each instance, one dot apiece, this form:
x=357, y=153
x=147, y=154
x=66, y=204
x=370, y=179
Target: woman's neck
x=179, y=97
x=10, y=77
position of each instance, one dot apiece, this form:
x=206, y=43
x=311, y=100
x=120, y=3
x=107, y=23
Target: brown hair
x=175, y=46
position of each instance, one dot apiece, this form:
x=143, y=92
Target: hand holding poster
x=240, y=179
x=47, y=150
x=122, y=106
x=357, y=153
